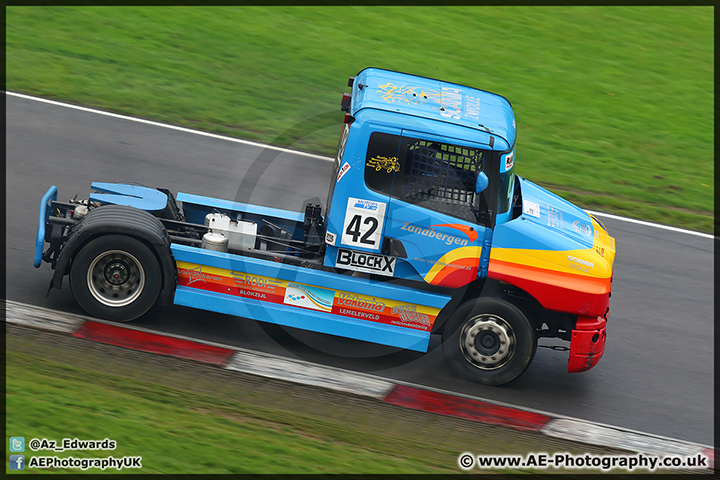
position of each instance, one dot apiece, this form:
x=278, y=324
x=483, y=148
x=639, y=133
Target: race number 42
x=363, y=223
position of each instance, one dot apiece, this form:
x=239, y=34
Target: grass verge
x=614, y=104
x=186, y=417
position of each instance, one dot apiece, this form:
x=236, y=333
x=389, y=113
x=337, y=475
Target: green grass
x=176, y=431
x=187, y=417
x=614, y=104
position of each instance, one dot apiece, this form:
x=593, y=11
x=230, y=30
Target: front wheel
x=489, y=341
x=116, y=277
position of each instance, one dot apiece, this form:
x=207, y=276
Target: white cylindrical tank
x=215, y=241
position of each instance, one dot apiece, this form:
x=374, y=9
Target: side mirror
x=482, y=182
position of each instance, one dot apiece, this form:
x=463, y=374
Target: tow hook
x=559, y=348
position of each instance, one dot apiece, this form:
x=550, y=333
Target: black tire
x=116, y=277
x=489, y=340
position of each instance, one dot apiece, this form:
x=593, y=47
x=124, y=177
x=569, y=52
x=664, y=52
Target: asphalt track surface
x=657, y=372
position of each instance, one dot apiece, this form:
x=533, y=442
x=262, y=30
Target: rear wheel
x=116, y=277
x=489, y=341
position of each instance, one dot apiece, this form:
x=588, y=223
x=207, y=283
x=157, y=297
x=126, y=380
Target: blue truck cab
x=417, y=177
x=426, y=231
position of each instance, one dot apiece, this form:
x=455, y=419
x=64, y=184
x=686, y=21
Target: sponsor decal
x=411, y=95
x=197, y=275
x=306, y=296
x=431, y=233
x=409, y=313
x=554, y=217
x=343, y=171
x=472, y=107
x=386, y=311
x=277, y=291
x=366, y=262
x=581, y=260
x=363, y=223
x=582, y=228
x=355, y=313
x=330, y=238
x=580, y=263
x=229, y=282
x=466, y=229
x=365, y=204
x=389, y=164
x=263, y=284
x=531, y=208
x=451, y=103
x=352, y=300
x=509, y=161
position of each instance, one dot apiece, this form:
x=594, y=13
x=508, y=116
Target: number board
x=363, y=223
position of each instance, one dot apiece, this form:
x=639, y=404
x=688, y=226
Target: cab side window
x=433, y=175
x=381, y=162
x=439, y=176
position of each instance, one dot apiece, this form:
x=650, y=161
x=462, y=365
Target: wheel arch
x=121, y=220
x=488, y=287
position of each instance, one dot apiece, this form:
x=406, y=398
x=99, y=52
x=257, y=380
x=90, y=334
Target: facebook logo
x=17, y=444
x=17, y=462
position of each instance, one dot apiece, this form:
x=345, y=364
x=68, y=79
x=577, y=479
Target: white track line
x=167, y=125
x=295, y=152
x=648, y=224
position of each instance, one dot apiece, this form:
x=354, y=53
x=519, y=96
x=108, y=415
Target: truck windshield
x=505, y=190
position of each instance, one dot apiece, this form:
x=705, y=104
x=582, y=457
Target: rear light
x=345, y=103
x=351, y=80
x=348, y=118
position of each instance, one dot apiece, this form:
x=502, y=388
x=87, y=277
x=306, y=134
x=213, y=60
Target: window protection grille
x=442, y=177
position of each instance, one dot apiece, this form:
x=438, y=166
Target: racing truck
x=427, y=231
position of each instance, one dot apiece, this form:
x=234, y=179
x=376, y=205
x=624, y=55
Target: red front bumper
x=587, y=343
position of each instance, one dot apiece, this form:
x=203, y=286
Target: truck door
x=434, y=209
x=359, y=200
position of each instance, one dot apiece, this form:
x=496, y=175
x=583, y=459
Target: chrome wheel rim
x=487, y=341
x=115, y=278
